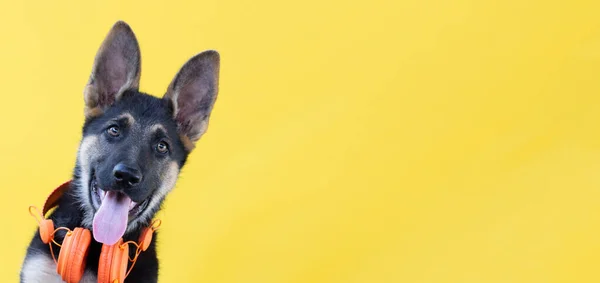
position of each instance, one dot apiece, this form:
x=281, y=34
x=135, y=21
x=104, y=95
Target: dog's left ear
x=116, y=69
x=192, y=94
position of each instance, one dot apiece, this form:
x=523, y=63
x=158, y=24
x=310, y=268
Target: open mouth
x=98, y=195
x=114, y=210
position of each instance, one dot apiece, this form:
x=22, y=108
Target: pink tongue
x=110, y=220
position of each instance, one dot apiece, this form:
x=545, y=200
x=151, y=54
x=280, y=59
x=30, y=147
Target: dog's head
x=134, y=144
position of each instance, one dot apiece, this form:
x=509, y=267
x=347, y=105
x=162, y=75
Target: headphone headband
x=54, y=197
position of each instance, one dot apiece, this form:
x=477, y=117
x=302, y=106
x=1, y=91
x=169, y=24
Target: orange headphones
x=112, y=266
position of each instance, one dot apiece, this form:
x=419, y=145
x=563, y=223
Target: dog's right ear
x=116, y=69
x=192, y=94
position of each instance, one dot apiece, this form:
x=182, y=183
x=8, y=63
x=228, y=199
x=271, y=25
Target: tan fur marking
x=169, y=178
x=93, y=112
x=201, y=130
x=88, y=152
x=157, y=127
x=90, y=96
x=187, y=143
x=129, y=117
x=168, y=183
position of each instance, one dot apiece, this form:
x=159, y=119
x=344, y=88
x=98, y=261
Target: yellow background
x=373, y=141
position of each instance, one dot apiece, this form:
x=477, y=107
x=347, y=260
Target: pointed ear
x=192, y=94
x=116, y=69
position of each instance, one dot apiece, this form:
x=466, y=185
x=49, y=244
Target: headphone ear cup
x=71, y=260
x=145, y=238
x=63, y=255
x=79, y=252
x=113, y=262
x=46, y=230
x=104, y=263
x=119, y=264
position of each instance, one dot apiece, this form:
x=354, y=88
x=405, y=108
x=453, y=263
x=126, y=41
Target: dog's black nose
x=127, y=175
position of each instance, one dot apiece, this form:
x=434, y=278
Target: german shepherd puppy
x=132, y=150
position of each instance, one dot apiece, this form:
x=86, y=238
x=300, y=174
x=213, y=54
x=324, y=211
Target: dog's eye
x=113, y=131
x=162, y=147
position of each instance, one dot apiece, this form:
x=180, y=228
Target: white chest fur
x=42, y=269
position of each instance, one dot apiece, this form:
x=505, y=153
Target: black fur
x=147, y=110
x=134, y=145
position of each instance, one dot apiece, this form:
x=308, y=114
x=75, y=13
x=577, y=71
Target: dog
x=132, y=150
